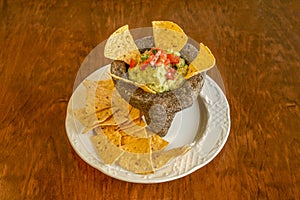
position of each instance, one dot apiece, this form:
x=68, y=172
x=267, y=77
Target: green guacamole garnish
x=161, y=70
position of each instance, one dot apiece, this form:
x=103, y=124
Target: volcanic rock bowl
x=159, y=109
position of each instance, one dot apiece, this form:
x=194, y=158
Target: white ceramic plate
x=205, y=126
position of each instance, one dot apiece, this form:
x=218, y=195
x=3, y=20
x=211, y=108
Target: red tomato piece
x=163, y=55
x=159, y=62
x=132, y=63
x=167, y=61
x=149, y=59
x=174, y=59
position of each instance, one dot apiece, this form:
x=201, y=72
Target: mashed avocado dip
x=161, y=70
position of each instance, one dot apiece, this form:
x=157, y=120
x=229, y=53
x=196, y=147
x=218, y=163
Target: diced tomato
x=163, y=55
x=167, y=61
x=132, y=63
x=159, y=62
x=144, y=64
x=149, y=59
x=174, y=59
x=155, y=59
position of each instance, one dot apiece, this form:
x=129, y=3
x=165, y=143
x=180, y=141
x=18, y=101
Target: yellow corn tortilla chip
x=117, y=118
x=203, y=62
x=112, y=133
x=134, y=114
x=107, y=151
x=142, y=86
x=104, y=114
x=135, y=131
x=134, y=126
x=157, y=143
x=118, y=103
x=135, y=144
x=103, y=94
x=90, y=87
x=136, y=122
x=161, y=158
x=86, y=119
x=97, y=98
x=168, y=35
x=140, y=122
x=136, y=162
x=100, y=104
x=88, y=128
x=107, y=84
x=192, y=71
x=120, y=46
x=91, y=120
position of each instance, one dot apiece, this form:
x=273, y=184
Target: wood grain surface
x=256, y=45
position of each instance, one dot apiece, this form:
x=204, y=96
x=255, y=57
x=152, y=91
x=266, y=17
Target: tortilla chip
x=161, y=158
x=100, y=104
x=108, y=84
x=135, y=131
x=118, y=103
x=88, y=128
x=136, y=162
x=86, y=119
x=168, y=35
x=157, y=143
x=90, y=87
x=134, y=114
x=140, y=122
x=107, y=151
x=203, y=62
x=119, y=110
x=136, y=122
x=104, y=114
x=97, y=98
x=142, y=86
x=112, y=133
x=134, y=127
x=192, y=71
x=115, y=119
x=120, y=46
x=103, y=94
x=135, y=144
x=92, y=120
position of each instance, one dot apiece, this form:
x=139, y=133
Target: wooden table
x=256, y=44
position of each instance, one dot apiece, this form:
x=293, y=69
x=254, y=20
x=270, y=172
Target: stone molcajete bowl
x=159, y=109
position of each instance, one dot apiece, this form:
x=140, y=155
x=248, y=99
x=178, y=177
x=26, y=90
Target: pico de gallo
x=161, y=70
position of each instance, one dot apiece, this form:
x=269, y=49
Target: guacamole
x=161, y=70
